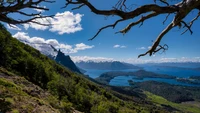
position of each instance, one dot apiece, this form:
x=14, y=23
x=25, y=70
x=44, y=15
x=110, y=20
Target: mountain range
x=114, y=65
x=31, y=82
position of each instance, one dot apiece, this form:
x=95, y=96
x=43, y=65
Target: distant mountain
x=66, y=61
x=115, y=65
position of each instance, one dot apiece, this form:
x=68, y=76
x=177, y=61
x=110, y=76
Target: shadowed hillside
x=31, y=82
x=66, y=61
x=69, y=89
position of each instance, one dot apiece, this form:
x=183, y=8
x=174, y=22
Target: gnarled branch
x=16, y=6
x=181, y=9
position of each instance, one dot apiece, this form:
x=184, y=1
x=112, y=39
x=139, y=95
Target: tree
x=180, y=9
x=16, y=6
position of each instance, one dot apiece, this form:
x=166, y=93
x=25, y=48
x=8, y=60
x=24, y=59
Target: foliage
x=67, y=88
x=161, y=101
x=172, y=93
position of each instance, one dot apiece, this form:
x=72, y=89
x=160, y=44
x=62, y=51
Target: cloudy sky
x=71, y=29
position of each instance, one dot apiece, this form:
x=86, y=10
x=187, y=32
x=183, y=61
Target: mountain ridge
x=114, y=65
x=68, y=88
x=66, y=61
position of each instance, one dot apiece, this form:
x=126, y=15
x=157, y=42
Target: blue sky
x=82, y=24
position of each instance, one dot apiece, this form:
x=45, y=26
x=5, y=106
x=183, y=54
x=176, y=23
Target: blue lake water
x=179, y=72
x=123, y=80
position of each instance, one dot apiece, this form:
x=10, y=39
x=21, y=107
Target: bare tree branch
x=191, y=23
x=112, y=25
x=16, y=6
x=166, y=18
x=142, y=19
x=180, y=10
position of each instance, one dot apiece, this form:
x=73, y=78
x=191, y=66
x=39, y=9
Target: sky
x=71, y=30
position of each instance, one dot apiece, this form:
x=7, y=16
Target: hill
x=19, y=95
x=68, y=89
x=115, y=65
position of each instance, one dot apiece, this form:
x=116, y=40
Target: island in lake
x=140, y=74
x=190, y=80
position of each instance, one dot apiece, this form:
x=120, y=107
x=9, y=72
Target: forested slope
x=65, y=90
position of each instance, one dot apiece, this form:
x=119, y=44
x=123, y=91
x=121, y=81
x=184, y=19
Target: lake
x=123, y=80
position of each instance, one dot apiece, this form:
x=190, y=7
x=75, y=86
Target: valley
x=32, y=82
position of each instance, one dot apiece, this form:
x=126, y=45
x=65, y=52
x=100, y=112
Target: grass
x=16, y=97
x=162, y=101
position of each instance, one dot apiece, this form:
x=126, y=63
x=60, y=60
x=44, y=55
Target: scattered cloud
x=141, y=48
x=119, y=46
x=43, y=45
x=161, y=60
x=88, y=59
x=134, y=60
x=13, y=27
x=149, y=47
x=116, y=46
x=82, y=46
x=65, y=22
x=40, y=10
x=182, y=59
x=35, y=26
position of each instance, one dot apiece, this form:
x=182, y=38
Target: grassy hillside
x=39, y=83
x=185, y=107
x=19, y=95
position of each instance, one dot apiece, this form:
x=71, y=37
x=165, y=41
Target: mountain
x=115, y=65
x=66, y=61
x=32, y=82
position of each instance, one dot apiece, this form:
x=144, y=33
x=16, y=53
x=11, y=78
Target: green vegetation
x=172, y=93
x=195, y=77
x=18, y=95
x=191, y=80
x=31, y=82
x=68, y=91
x=160, y=101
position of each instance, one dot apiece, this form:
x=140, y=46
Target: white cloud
x=123, y=47
x=119, y=46
x=161, y=60
x=168, y=59
x=13, y=27
x=82, y=46
x=116, y=46
x=46, y=21
x=40, y=10
x=65, y=22
x=88, y=59
x=182, y=59
x=134, y=60
x=43, y=45
x=141, y=48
